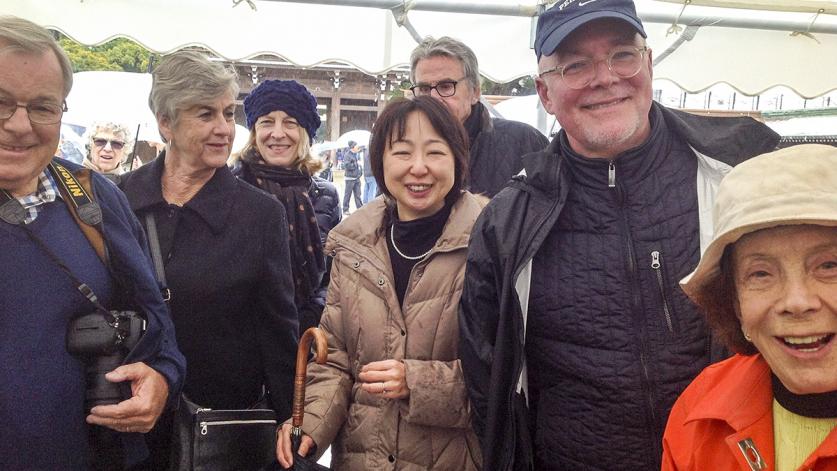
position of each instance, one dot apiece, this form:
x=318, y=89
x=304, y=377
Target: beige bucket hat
x=795, y=185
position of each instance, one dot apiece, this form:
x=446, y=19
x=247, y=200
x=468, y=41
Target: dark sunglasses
x=115, y=145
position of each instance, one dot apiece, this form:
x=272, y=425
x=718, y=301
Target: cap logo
x=570, y=2
x=565, y=4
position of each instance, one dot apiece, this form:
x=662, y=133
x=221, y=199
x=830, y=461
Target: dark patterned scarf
x=291, y=188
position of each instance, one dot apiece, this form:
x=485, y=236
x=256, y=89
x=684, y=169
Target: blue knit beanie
x=283, y=95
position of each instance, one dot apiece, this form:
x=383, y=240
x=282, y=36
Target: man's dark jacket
x=32, y=398
x=506, y=237
x=497, y=146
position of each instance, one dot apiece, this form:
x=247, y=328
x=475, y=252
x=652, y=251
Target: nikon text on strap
x=76, y=192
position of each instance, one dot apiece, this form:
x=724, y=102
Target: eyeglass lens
x=115, y=145
x=444, y=89
x=39, y=113
x=624, y=62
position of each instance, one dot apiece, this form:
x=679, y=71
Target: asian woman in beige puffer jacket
x=392, y=395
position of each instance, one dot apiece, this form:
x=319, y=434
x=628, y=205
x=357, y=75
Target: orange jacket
x=724, y=422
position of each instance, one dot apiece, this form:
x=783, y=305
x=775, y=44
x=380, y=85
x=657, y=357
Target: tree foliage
x=119, y=54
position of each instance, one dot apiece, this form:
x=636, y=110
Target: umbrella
x=316, y=335
x=319, y=147
x=360, y=136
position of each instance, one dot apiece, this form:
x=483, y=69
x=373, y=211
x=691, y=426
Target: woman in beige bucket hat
x=768, y=285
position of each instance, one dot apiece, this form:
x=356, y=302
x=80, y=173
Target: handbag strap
x=156, y=255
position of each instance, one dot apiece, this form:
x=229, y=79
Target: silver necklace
x=392, y=238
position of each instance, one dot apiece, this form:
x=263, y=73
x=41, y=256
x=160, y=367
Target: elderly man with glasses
x=574, y=336
x=447, y=70
x=74, y=263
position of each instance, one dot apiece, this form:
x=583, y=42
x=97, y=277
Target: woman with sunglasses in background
x=110, y=144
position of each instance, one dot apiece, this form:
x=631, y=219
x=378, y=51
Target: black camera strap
x=82, y=288
x=83, y=209
x=76, y=195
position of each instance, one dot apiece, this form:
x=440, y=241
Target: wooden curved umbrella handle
x=316, y=335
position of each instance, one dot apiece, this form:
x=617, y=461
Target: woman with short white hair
x=109, y=144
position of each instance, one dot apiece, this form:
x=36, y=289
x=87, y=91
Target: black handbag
x=221, y=440
x=206, y=439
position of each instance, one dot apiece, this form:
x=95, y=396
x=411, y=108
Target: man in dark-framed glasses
x=575, y=338
x=447, y=69
x=87, y=352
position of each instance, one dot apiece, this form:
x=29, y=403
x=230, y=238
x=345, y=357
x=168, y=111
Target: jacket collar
x=213, y=203
x=362, y=230
x=730, y=140
x=746, y=396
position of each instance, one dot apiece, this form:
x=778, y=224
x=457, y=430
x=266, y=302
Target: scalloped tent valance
x=752, y=50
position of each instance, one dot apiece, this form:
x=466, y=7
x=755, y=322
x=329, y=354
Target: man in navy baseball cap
x=575, y=338
x=555, y=24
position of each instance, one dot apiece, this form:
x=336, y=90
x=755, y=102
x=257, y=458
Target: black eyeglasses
x=115, y=145
x=39, y=112
x=625, y=62
x=444, y=88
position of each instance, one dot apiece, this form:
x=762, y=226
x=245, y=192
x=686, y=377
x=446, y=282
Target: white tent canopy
x=752, y=50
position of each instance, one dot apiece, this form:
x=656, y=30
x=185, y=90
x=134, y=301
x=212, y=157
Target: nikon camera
x=102, y=340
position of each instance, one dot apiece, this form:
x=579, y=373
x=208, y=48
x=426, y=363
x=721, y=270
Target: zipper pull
x=611, y=174
x=655, y=260
x=204, y=430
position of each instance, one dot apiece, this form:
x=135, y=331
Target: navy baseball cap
x=555, y=24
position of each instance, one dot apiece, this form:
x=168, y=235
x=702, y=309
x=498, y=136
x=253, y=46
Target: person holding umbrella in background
x=352, y=166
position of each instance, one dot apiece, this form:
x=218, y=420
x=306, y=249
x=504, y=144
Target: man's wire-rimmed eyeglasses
x=624, y=61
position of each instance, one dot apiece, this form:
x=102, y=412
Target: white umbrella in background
x=319, y=147
x=360, y=136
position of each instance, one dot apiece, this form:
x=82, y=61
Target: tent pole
x=697, y=16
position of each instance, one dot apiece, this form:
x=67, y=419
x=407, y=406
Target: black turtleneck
x=815, y=406
x=413, y=238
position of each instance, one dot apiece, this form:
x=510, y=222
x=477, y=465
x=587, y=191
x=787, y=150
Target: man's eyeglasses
x=444, y=88
x=39, y=112
x=625, y=62
x=115, y=145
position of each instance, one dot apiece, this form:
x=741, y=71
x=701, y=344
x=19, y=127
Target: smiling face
x=609, y=115
x=418, y=169
x=435, y=69
x=27, y=148
x=277, y=138
x=105, y=157
x=786, y=280
x=203, y=134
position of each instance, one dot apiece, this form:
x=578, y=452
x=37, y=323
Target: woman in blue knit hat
x=282, y=118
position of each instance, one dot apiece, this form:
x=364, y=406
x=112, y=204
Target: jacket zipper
x=655, y=265
x=208, y=423
x=636, y=301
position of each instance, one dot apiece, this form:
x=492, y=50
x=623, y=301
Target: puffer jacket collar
x=361, y=233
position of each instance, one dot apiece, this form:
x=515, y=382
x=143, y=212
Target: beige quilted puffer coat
x=364, y=322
